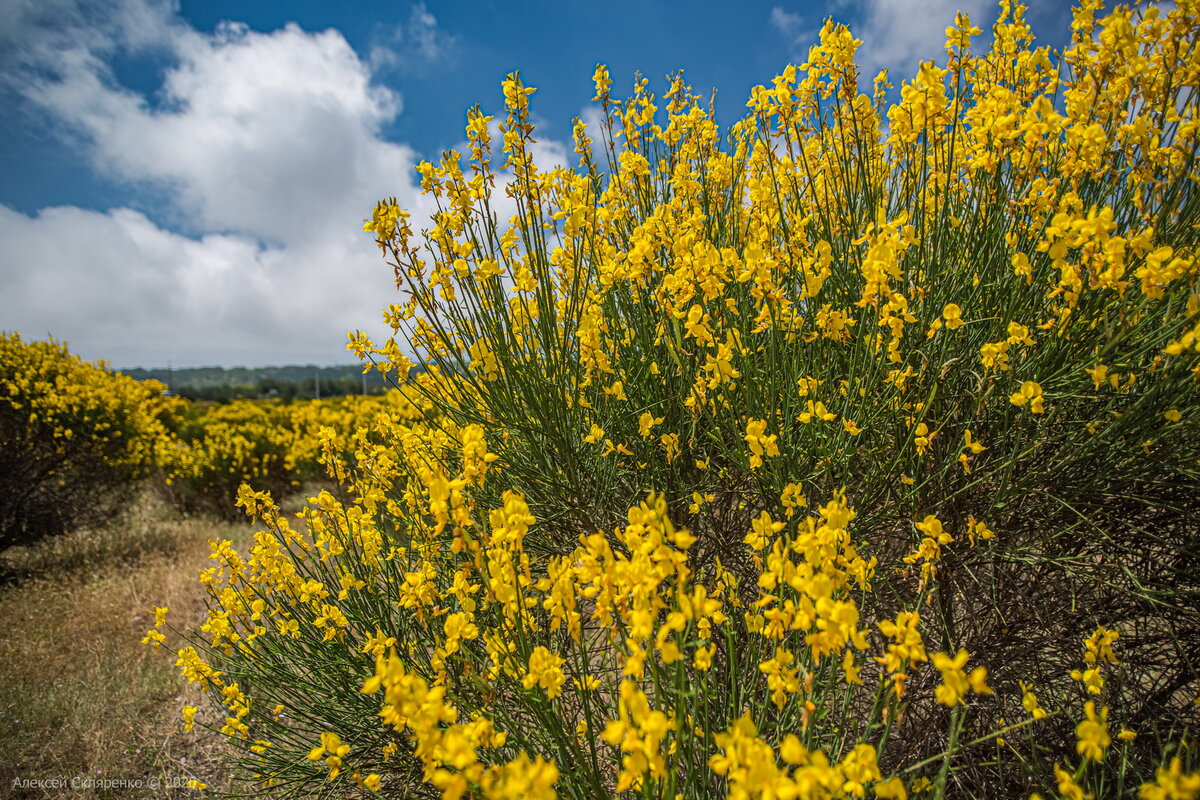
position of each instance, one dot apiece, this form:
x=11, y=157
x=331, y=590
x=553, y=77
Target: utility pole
x=317, y=382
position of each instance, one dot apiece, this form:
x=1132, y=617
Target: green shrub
x=920, y=399
x=75, y=438
x=268, y=444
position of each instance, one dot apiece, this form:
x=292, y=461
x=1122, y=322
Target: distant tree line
x=282, y=389
x=218, y=384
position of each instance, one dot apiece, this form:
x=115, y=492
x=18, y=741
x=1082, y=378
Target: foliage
x=269, y=444
x=816, y=460
x=74, y=439
x=200, y=379
x=287, y=391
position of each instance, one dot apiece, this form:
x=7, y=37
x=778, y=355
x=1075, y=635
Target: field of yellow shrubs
x=848, y=452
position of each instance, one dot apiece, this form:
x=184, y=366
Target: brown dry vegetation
x=80, y=696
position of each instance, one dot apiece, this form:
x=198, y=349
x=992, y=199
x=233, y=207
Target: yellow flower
x=720, y=366
x=617, y=390
x=1030, y=393
x=931, y=526
x=923, y=438
x=1099, y=646
x=670, y=443
x=980, y=529
x=602, y=81
x=646, y=422
x=955, y=680
x=1030, y=702
x=1022, y=267
x=859, y=768
x=762, y=531
x=792, y=498
x=1019, y=334
x=1172, y=783
x=160, y=616
x=1093, y=733
x=376, y=644
x=994, y=355
x=189, y=717
x=697, y=325
x=1067, y=787
x=545, y=670
x=952, y=314
x=851, y=671
x=891, y=789
x=816, y=410
x=1172, y=415
x=792, y=751
x=978, y=681
x=330, y=743
x=521, y=779
x=1091, y=678
x=760, y=443
x=639, y=732
x=1099, y=374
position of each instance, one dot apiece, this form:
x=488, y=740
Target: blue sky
x=185, y=182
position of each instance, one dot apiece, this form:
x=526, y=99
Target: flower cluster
x=268, y=444
x=74, y=438
x=587, y=562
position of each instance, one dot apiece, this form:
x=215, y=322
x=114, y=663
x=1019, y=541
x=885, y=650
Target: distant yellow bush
x=270, y=445
x=74, y=438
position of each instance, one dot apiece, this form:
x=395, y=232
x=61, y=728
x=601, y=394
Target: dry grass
x=81, y=699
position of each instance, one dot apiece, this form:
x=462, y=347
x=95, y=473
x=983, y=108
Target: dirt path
x=86, y=710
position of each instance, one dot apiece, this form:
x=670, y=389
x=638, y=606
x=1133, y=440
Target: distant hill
x=205, y=377
x=290, y=382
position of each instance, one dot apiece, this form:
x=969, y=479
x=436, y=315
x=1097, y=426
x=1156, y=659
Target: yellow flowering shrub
x=75, y=438
x=271, y=445
x=849, y=452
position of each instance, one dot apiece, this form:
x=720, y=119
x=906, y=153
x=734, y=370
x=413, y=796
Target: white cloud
x=273, y=135
x=895, y=34
x=32, y=32
x=899, y=34
x=426, y=38
x=117, y=286
x=133, y=287
x=790, y=26
x=268, y=149
x=419, y=42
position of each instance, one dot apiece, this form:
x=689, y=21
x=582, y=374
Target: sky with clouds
x=185, y=183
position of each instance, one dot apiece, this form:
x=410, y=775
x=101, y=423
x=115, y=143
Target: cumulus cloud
x=896, y=34
x=267, y=147
x=899, y=34
x=136, y=292
x=267, y=134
